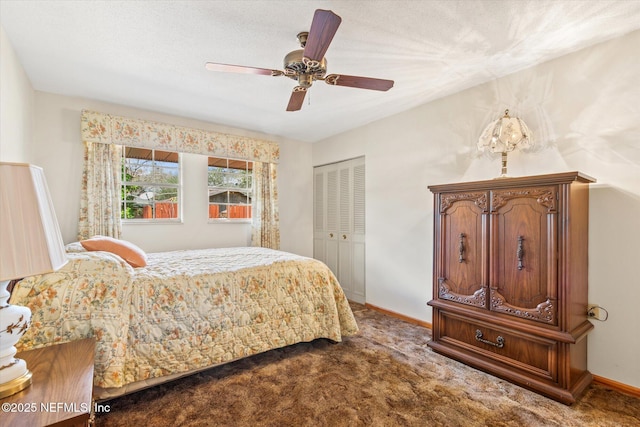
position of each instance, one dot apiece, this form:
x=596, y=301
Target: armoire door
x=339, y=231
x=461, y=260
x=524, y=253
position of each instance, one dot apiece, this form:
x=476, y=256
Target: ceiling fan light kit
x=308, y=64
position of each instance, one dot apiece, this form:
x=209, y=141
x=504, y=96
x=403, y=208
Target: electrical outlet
x=593, y=311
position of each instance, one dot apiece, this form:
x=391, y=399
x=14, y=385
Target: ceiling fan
x=308, y=64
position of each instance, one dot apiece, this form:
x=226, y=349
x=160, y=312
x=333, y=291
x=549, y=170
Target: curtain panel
x=104, y=134
x=100, y=192
x=266, y=219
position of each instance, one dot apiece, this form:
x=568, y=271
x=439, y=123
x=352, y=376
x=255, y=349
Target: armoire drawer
x=528, y=353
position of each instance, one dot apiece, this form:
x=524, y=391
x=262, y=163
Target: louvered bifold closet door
x=326, y=216
x=345, y=272
x=339, y=223
x=319, y=214
x=358, y=233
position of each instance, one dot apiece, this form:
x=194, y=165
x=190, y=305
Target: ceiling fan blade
x=297, y=98
x=323, y=27
x=227, y=68
x=359, y=82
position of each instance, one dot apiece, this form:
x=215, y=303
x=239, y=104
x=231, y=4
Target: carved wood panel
x=545, y=196
x=523, y=253
x=478, y=198
x=463, y=242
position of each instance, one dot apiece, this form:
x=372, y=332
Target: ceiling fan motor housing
x=302, y=69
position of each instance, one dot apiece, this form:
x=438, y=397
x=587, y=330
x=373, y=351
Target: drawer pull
x=499, y=343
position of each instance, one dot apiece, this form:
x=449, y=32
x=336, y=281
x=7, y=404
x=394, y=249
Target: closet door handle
x=520, y=252
x=330, y=234
x=344, y=236
x=461, y=248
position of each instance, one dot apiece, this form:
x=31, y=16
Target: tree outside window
x=150, y=184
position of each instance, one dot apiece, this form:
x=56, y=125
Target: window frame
x=179, y=188
x=248, y=191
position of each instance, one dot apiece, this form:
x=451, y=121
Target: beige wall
x=16, y=105
x=584, y=112
x=60, y=152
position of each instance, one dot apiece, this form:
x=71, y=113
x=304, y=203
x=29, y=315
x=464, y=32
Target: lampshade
x=505, y=135
x=30, y=244
x=31, y=239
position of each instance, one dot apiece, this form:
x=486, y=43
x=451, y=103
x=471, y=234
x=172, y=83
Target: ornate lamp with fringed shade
x=503, y=136
x=30, y=244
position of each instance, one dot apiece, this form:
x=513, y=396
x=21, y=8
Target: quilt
x=185, y=310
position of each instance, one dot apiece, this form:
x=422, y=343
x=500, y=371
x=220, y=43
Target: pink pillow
x=127, y=250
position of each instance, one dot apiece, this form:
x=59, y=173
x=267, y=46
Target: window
x=230, y=184
x=150, y=184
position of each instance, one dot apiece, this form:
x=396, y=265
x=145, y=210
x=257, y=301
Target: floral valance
x=110, y=129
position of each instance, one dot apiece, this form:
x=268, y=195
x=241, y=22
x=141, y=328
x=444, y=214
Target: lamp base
x=15, y=385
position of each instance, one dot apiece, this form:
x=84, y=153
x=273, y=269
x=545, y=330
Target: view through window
x=230, y=184
x=150, y=184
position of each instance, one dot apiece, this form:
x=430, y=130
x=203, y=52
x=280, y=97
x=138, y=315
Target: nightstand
x=61, y=387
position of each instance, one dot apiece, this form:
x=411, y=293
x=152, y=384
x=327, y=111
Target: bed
x=183, y=312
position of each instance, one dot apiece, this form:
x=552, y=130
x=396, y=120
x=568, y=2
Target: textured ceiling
x=151, y=54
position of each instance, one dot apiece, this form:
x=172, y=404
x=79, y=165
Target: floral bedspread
x=185, y=310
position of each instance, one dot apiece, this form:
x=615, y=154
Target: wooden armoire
x=510, y=279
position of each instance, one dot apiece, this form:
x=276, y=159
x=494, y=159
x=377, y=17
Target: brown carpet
x=384, y=376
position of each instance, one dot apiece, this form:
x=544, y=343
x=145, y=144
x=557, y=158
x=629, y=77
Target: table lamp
x=504, y=135
x=30, y=244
